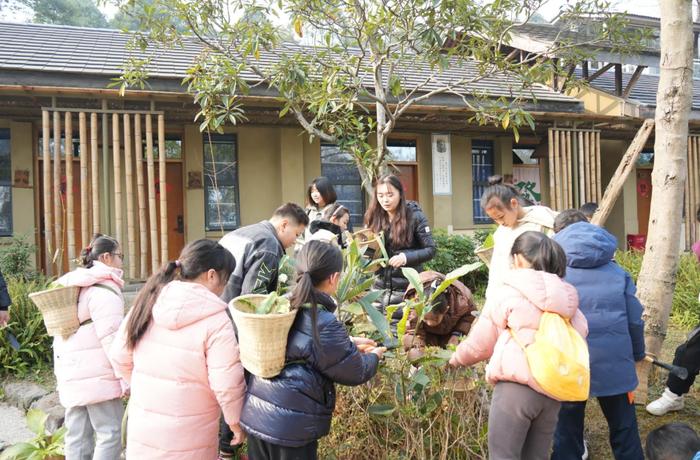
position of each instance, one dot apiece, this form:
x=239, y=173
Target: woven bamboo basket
x=59, y=308
x=262, y=339
x=367, y=238
x=485, y=255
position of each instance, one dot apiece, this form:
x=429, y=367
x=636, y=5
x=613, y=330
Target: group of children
x=176, y=354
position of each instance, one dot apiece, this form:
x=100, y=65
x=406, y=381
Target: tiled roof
x=644, y=91
x=102, y=52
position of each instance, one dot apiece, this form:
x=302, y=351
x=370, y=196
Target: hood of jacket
x=586, y=245
x=540, y=215
x=317, y=225
x=96, y=274
x=545, y=290
x=182, y=303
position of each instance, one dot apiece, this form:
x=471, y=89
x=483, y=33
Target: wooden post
x=688, y=197
x=84, y=183
x=569, y=165
x=129, y=174
x=598, y=171
x=627, y=164
x=94, y=158
x=151, y=194
x=557, y=168
x=696, y=180
x=141, y=192
x=46, y=166
x=581, y=170
x=552, y=177
x=589, y=170
x=162, y=179
x=70, y=203
x=117, y=163
x=57, y=202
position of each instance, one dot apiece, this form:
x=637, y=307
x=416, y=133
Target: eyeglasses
x=118, y=254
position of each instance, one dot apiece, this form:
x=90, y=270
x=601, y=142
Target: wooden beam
x=618, y=79
x=627, y=164
x=600, y=72
x=633, y=80
x=584, y=70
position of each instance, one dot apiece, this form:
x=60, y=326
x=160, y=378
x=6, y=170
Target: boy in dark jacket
x=615, y=338
x=448, y=321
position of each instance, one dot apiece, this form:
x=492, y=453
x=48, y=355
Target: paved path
x=13, y=428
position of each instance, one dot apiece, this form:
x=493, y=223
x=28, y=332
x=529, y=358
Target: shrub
x=408, y=412
x=16, y=256
x=685, y=311
x=453, y=251
x=27, y=326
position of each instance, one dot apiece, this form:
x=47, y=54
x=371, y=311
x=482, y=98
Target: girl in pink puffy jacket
x=87, y=385
x=522, y=417
x=178, y=351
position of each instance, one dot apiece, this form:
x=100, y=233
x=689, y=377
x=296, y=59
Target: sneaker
x=585, y=450
x=668, y=401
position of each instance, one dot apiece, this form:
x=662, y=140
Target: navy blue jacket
x=295, y=408
x=607, y=299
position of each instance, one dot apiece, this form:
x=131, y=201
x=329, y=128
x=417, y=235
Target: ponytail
x=316, y=262
x=196, y=258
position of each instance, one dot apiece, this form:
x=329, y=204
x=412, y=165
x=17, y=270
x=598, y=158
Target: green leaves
x=381, y=410
x=413, y=278
x=453, y=276
x=36, y=421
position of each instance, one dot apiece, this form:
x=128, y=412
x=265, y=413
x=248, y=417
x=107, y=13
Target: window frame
x=220, y=139
x=5, y=134
x=359, y=221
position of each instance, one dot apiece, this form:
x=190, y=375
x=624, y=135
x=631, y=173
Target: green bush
x=26, y=324
x=16, y=257
x=685, y=311
x=453, y=251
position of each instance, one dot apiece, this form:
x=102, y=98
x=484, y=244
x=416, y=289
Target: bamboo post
x=162, y=173
x=117, y=163
x=598, y=174
x=587, y=134
x=581, y=170
x=693, y=195
x=151, y=194
x=688, y=197
x=46, y=166
x=70, y=202
x=569, y=170
x=696, y=180
x=552, y=177
x=563, y=175
x=57, y=199
x=129, y=174
x=141, y=192
x=84, y=184
x=94, y=157
x=557, y=168
x=627, y=164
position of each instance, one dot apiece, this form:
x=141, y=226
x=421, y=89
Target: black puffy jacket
x=421, y=250
x=295, y=408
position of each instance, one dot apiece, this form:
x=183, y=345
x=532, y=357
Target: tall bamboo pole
x=589, y=161
x=117, y=163
x=57, y=202
x=598, y=178
x=46, y=166
x=688, y=198
x=552, y=177
x=129, y=174
x=141, y=192
x=84, y=183
x=581, y=170
x=557, y=168
x=162, y=173
x=94, y=159
x=70, y=202
x=569, y=169
x=151, y=194
x=696, y=180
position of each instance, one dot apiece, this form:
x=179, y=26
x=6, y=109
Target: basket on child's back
x=59, y=308
x=263, y=323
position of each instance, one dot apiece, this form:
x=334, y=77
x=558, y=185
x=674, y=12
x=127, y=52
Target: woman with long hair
x=407, y=237
x=320, y=197
x=286, y=415
x=178, y=350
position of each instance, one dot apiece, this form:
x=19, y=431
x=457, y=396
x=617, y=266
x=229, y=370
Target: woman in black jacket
x=285, y=416
x=407, y=237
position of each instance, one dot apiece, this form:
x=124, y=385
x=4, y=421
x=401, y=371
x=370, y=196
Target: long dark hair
x=542, y=252
x=503, y=191
x=377, y=219
x=196, y=258
x=315, y=263
x=99, y=245
x=325, y=188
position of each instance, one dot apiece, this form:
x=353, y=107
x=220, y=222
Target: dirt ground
x=597, y=428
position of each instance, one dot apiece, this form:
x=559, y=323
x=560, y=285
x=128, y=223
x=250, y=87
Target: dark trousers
x=622, y=425
x=225, y=437
x=688, y=356
x=261, y=450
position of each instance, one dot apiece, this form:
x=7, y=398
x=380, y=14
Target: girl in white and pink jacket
x=87, y=385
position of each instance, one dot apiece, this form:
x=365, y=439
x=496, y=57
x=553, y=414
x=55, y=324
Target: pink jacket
x=519, y=306
x=183, y=372
x=84, y=374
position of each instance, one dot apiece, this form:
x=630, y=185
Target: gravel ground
x=12, y=426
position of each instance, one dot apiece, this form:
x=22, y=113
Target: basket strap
x=110, y=289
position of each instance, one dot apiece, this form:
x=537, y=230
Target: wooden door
x=176, y=213
x=408, y=175
x=643, y=199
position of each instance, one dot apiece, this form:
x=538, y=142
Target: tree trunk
x=657, y=277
